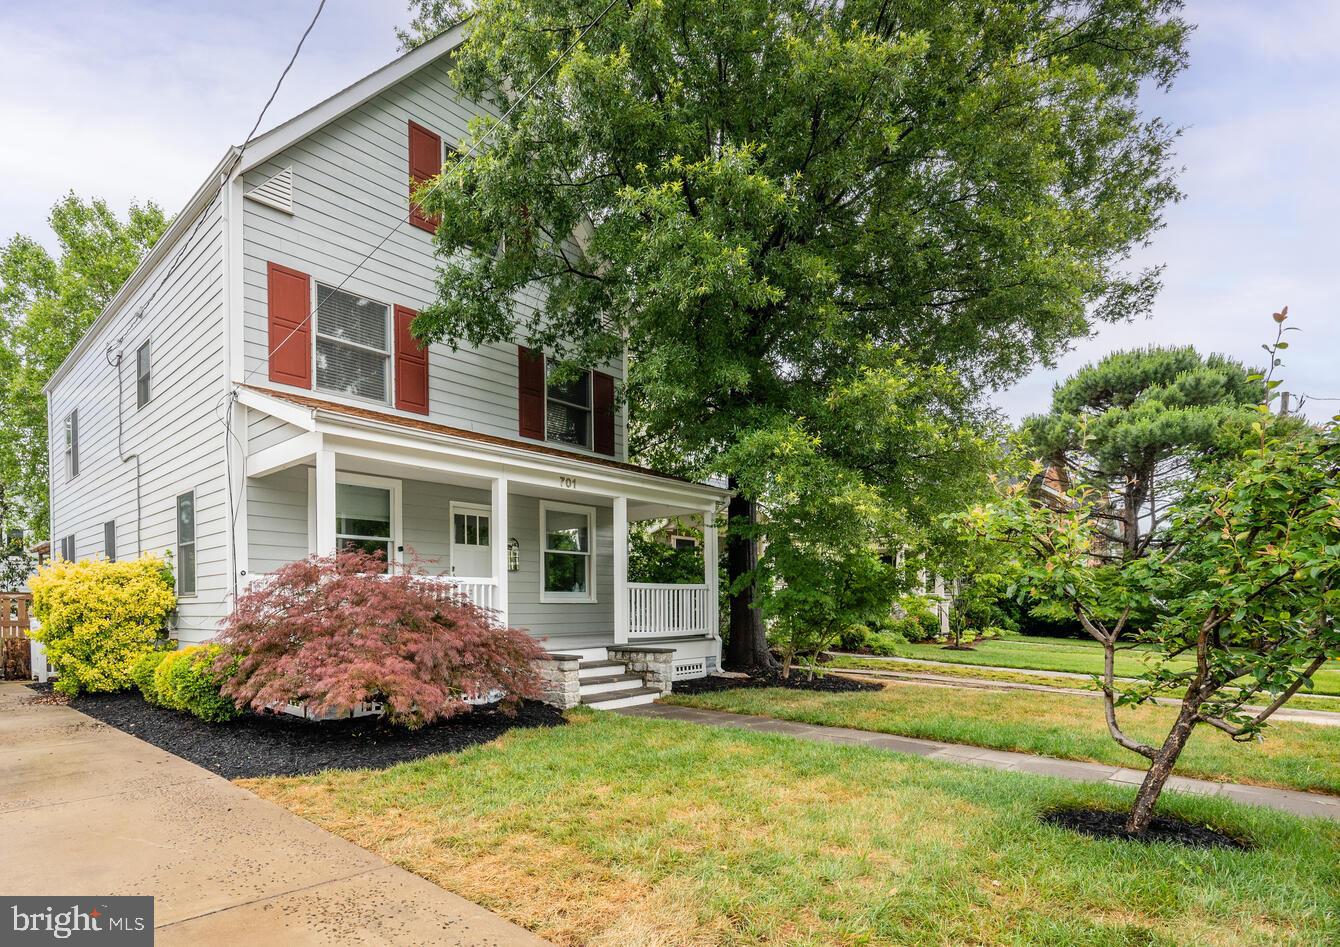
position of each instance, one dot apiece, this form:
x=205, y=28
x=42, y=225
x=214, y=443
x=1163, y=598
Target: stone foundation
x=559, y=675
x=656, y=665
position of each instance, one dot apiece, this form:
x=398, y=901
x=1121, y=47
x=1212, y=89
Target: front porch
x=540, y=538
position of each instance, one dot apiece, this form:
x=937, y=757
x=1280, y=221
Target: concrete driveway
x=88, y=810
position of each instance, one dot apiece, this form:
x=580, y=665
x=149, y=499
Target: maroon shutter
x=411, y=365
x=425, y=161
x=602, y=410
x=290, y=329
x=530, y=392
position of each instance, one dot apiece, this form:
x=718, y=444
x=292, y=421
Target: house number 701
x=569, y=483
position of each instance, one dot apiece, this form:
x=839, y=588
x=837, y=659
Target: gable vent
x=276, y=192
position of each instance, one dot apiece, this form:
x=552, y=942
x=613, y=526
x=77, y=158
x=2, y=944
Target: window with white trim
x=67, y=548
x=567, y=408
x=72, y=444
x=186, y=544
x=567, y=536
x=109, y=540
x=142, y=375
x=363, y=520
x=353, y=345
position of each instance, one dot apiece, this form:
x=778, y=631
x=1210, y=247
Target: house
x=253, y=395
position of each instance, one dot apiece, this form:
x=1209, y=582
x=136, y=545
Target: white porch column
x=500, y=532
x=620, y=570
x=710, y=574
x=325, y=502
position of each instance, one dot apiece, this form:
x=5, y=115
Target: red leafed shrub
x=336, y=631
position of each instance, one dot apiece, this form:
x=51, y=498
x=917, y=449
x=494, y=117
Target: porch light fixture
x=513, y=556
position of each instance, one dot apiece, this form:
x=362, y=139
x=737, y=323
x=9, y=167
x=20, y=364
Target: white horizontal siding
x=350, y=188
x=177, y=435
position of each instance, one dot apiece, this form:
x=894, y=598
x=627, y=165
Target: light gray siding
x=350, y=188
x=264, y=431
x=177, y=435
x=276, y=519
x=563, y=624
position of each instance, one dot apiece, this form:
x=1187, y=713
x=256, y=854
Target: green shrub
x=186, y=680
x=886, y=643
x=99, y=617
x=142, y=673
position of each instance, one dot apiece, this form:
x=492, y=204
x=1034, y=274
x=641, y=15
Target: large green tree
x=762, y=199
x=47, y=303
x=1131, y=425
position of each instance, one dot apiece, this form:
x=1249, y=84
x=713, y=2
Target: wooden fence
x=15, y=656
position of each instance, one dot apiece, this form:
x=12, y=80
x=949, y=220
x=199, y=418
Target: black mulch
x=285, y=745
x=799, y=680
x=1105, y=823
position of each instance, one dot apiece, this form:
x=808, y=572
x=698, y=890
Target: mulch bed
x=799, y=680
x=1105, y=823
x=285, y=745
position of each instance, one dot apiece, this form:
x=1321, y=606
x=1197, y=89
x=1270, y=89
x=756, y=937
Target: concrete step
x=616, y=699
x=600, y=668
x=610, y=682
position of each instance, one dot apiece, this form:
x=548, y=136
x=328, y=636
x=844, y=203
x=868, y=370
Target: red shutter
x=411, y=365
x=530, y=392
x=425, y=161
x=602, y=410
x=290, y=329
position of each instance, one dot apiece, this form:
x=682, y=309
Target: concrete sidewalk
x=88, y=810
x=1287, y=800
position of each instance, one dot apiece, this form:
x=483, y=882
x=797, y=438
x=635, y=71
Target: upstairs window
x=142, y=375
x=72, y=445
x=353, y=351
x=567, y=408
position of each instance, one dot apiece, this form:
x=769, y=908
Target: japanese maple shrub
x=333, y=632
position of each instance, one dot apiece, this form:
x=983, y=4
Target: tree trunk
x=1160, y=769
x=747, y=643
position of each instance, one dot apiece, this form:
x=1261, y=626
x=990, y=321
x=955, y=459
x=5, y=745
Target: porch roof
x=414, y=424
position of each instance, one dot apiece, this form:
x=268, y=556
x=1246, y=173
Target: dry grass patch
x=626, y=831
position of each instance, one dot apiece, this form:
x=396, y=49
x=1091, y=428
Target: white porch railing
x=482, y=591
x=669, y=610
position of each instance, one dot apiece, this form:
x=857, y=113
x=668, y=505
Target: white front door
x=471, y=540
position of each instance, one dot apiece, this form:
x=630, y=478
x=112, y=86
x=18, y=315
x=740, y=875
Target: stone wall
x=656, y=665
x=559, y=676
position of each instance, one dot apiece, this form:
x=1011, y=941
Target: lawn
x=1293, y=755
x=624, y=831
x=842, y=661
x=1066, y=654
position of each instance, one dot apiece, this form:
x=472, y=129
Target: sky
x=138, y=100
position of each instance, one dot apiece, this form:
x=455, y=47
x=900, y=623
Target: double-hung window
x=72, y=444
x=363, y=520
x=567, y=408
x=353, y=345
x=67, y=548
x=186, y=544
x=568, y=562
x=142, y=375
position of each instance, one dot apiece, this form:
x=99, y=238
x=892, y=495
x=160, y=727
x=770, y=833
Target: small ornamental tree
x=1246, y=582
x=333, y=632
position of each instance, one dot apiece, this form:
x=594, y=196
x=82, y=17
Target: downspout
x=115, y=362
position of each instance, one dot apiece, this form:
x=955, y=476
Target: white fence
x=483, y=592
x=668, y=611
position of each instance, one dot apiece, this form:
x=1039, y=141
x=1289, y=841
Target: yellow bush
x=98, y=618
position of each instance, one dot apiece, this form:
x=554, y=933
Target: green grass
x=843, y=662
x=1065, y=654
x=633, y=832
x=1293, y=755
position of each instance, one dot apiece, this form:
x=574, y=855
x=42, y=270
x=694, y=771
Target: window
x=683, y=542
x=72, y=444
x=186, y=544
x=67, y=548
x=567, y=409
x=142, y=375
x=363, y=519
x=353, y=345
x=567, y=533
x=109, y=540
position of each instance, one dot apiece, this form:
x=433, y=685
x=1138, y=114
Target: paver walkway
x=88, y=810
x=1288, y=800
x=1321, y=718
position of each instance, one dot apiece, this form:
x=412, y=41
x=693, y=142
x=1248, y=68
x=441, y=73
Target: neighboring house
x=205, y=414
